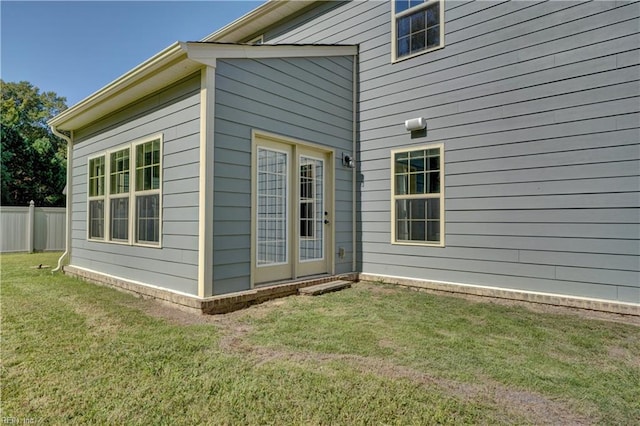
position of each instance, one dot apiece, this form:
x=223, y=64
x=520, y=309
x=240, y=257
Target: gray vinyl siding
x=537, y=107
x=173, y=112
x=309, y=99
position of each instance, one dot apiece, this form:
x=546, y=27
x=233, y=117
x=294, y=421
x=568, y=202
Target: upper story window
x=418, y=27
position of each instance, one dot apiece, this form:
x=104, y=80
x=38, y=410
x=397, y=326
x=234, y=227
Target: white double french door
x=291, y=211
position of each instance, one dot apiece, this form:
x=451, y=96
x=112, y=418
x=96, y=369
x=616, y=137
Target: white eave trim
x=208, y=53
x=176, y=62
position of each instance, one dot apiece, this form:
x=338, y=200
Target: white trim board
x=98, y=274
x=208, y=53
x=170, y=65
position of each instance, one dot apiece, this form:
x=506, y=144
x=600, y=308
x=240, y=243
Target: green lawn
x=74, y=352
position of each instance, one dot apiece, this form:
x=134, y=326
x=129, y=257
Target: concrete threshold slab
x=323, y=288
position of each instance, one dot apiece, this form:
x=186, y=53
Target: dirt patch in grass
x=169, y=312
x=97, y=320
x=379, y=288
x=536, y=408
x=511, y=401
x=172, y=314
x=625, y=355
x=532, y=406
x=386, y=343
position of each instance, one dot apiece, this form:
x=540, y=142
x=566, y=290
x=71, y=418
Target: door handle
x=326, y=221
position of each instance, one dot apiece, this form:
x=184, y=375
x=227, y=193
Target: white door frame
x=296, y=149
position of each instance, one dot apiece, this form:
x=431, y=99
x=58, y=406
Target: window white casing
x=147, y=171
x=128, y=193
x=410, y=16
x=119, y=195
x=96, y=173
x=422, y=222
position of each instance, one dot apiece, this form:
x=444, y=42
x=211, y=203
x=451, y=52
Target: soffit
x=208, y=53
x=172, y=64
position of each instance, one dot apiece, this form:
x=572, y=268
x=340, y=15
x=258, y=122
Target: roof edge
x=136, y=74
x=269, y=13
x=207, y=53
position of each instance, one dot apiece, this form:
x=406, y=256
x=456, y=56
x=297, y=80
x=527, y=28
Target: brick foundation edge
x=210, y=305
x=234, y=301
x=523, y=296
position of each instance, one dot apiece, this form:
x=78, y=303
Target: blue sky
x=74, y=48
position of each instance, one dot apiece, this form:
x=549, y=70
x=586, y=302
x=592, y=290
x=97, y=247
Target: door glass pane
x=307, y=200
x=272, y=207
x=311, y=211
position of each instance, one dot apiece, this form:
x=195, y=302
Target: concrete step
x=318, y=289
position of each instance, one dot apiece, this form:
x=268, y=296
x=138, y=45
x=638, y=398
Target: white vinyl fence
x=32, y=228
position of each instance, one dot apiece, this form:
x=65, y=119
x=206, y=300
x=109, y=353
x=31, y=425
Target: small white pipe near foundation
x=69, y=195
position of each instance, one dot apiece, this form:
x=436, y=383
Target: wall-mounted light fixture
x=347, y=161
x=415, y=124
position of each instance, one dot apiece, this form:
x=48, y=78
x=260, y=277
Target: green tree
x=33, y=159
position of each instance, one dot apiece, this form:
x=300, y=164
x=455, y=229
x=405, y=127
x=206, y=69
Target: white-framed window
x=96, y=193
x=125, y=194
x=119, y=174
x=417, y=201
x=148, y=192
x=417, y=26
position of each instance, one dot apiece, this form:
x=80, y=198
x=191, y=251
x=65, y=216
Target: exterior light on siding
x=347, y=161
x=415, y=124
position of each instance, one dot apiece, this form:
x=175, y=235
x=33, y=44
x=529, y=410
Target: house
x=489, y=148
